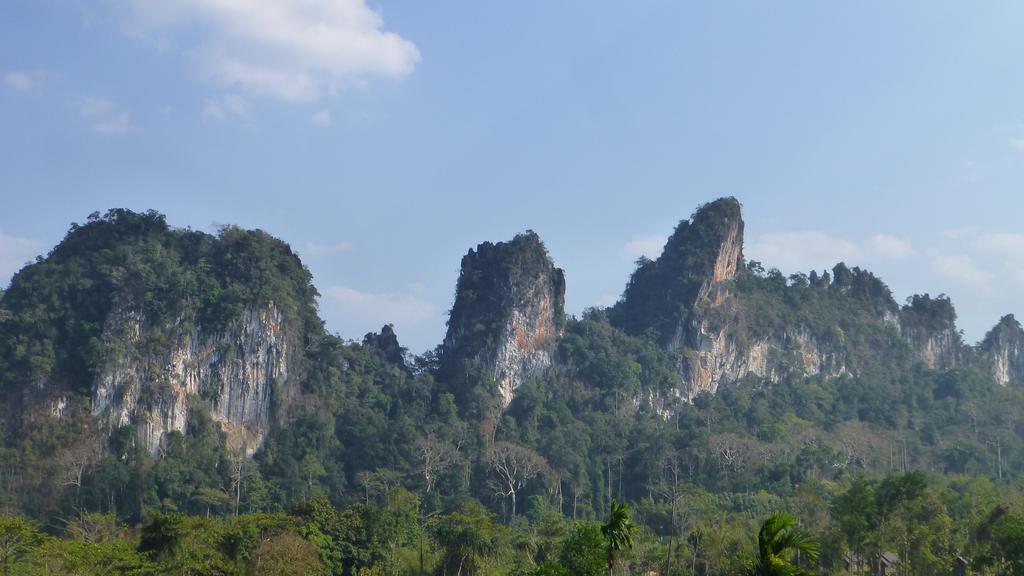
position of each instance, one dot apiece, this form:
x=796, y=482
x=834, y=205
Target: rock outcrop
x=1002, y=351
x=139, y=324
x=690, y=298
x=684, y=298
x=155, y=375
x=507, y=316
x=700, y=258
x=929, y=326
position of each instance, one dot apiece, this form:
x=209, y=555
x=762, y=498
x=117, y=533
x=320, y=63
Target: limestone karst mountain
x=145, y=322
x=726, y=318
x=507, y=316
x=143, y=360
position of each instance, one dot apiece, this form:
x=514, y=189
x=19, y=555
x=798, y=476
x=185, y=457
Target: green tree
x=584, y=551
x=72, y=558
x=287, y=554
x=17, y=539
x=777, y=541
x=468, y=538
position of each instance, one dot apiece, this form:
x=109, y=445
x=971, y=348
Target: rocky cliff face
x=142, y=324
x=720, y=358
x=1002, y=351
x=154, y=375
x=507, y=316
x=937, y=350
x=929, y=326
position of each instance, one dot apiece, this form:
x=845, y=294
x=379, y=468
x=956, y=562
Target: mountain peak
x=507, y=316
x=701, y=254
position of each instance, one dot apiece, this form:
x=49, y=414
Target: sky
x=383, y=139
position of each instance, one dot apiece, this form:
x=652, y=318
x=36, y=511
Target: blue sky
x=384, y=139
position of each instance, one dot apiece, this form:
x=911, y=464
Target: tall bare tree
x=514, y=466
x=78, y=459
x=240, y=469
x=436, y=455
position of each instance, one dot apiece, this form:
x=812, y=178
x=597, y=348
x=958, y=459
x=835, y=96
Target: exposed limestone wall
x=526, y=344
x=153, y=374
x=1003, y=351
x=507, y=316
x=939, y=350
x=720, y=359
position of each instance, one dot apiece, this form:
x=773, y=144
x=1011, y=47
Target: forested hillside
x=172, y=401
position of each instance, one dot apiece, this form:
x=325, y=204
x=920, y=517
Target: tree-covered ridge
x=922, y=312
x=56, y=308
x=848, y=315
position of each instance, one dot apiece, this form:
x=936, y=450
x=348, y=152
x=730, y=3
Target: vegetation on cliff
x=384, y=463
x=56, y=307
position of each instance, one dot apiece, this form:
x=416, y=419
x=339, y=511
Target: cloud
x=358, y=312
x=890, y=247
x=321, y=119
x=285, y=49
x=962, y=269
x=226, y=105
x=803, y=250
x=23, y=80
x=14, y=253
x=648, y=246
x=317, y=249
x=1017, y=144
x=105, y=117
x=959, y=233
x=1007, y=245
x=1018, y=276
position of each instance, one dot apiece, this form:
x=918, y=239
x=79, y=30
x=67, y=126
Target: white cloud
x=959, y=233
x=226, y=105
x=359, y=312
x=1007, y=245
x=23, y=80
x=1017, y=144
x=317, y=249
x=105, y=117
x=14, y=253
x=649, y=246
x=321, y=119
x=1018, y=276
x=286, y=49
x=802, y=250
x=890, y=247
x=962, y=269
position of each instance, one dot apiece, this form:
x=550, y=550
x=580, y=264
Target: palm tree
x=618, y=532
x=779, y=536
